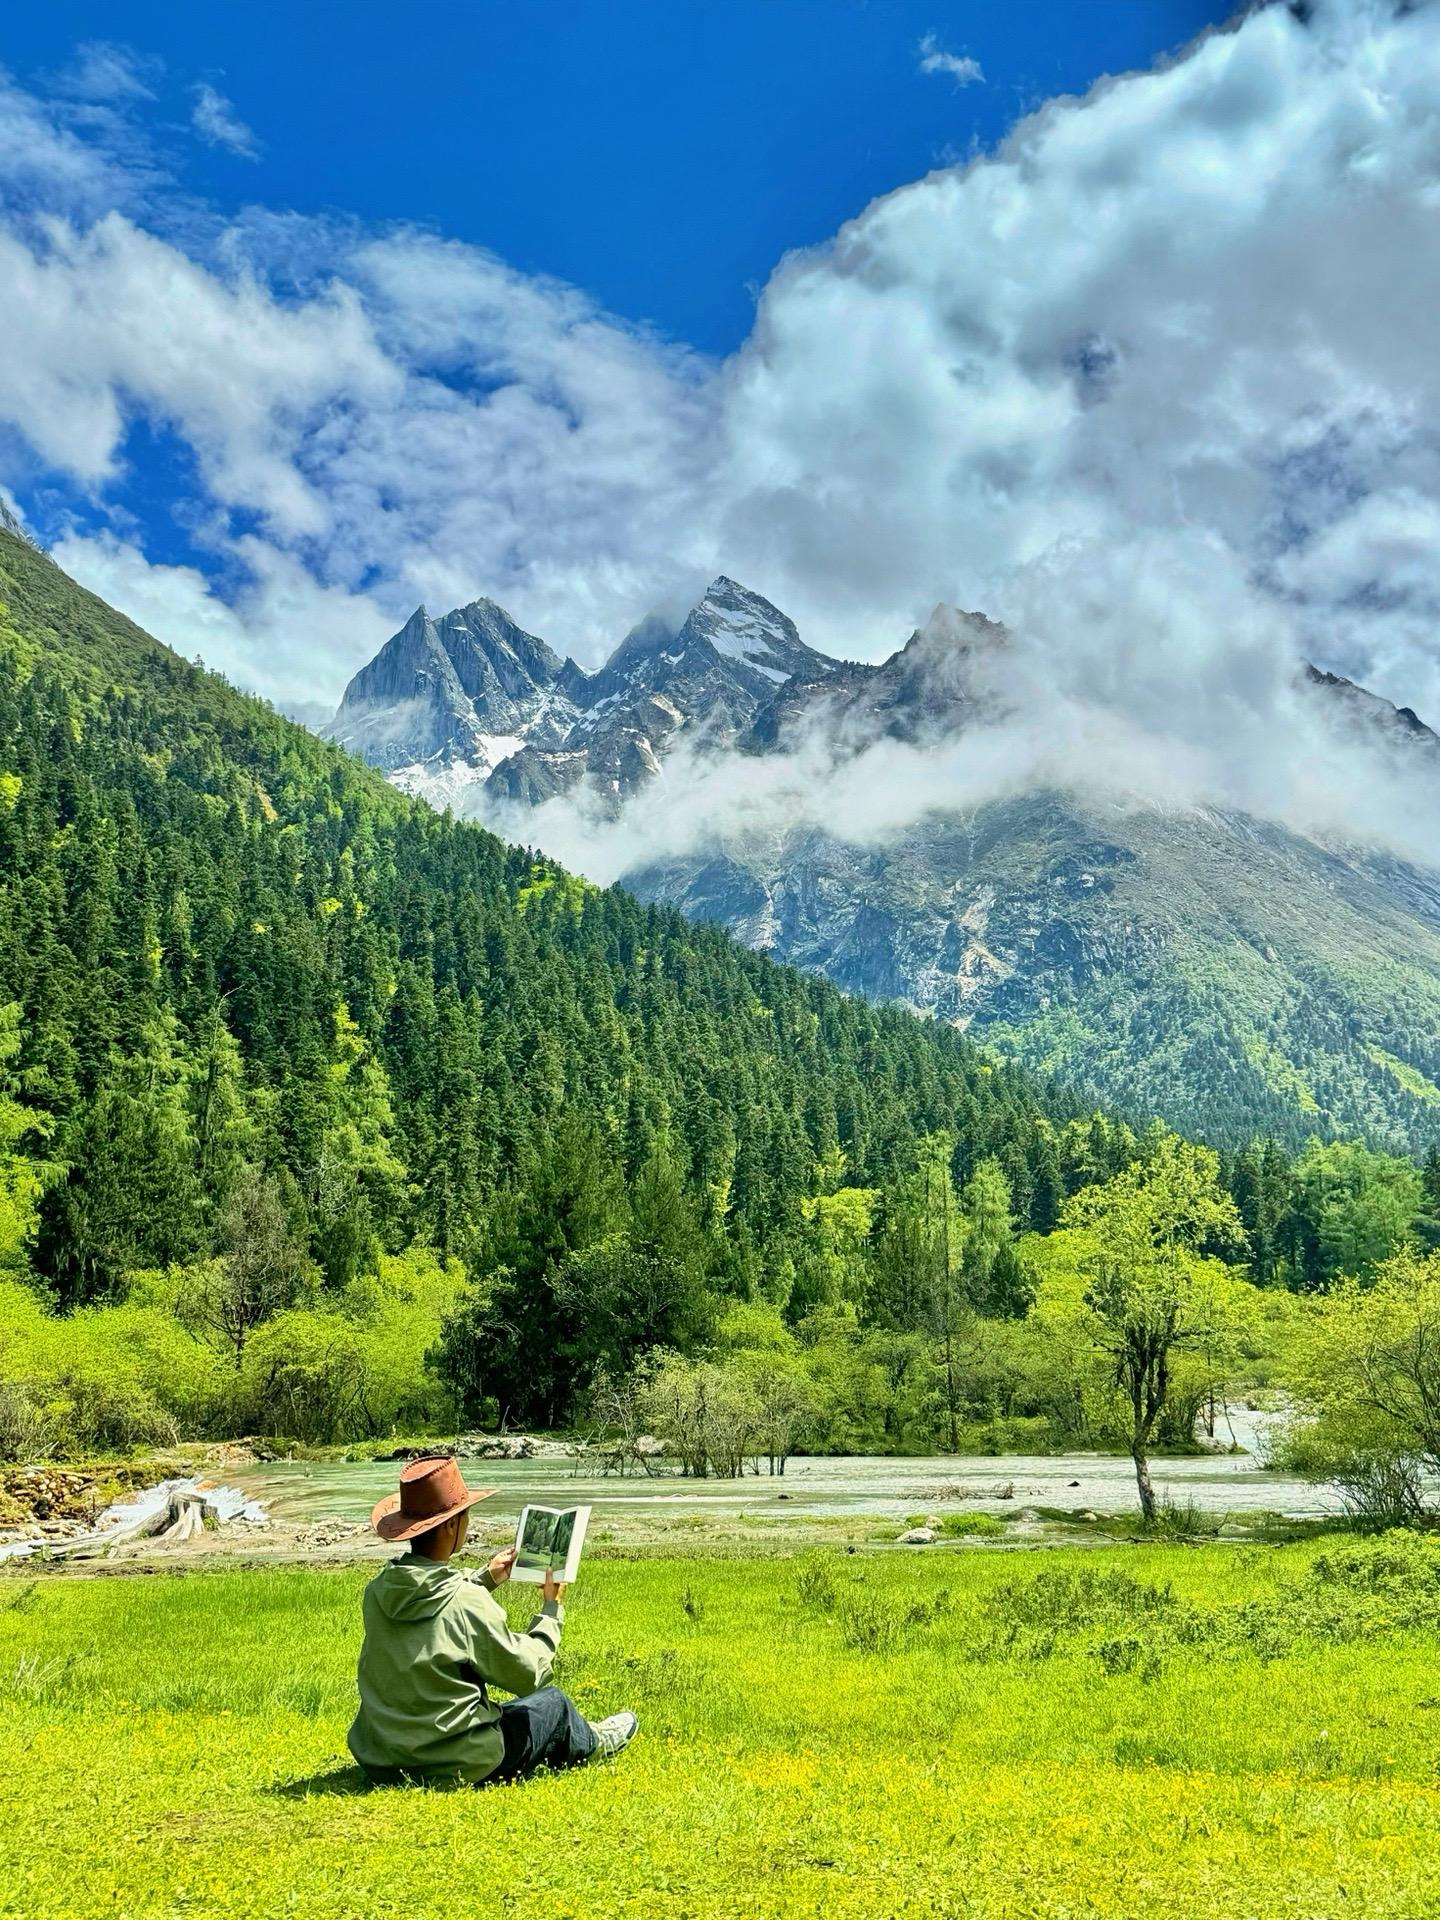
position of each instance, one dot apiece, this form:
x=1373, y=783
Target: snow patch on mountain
x=741, y=636
x=445, y=787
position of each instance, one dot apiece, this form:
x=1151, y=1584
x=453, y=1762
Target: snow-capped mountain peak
x=472, y=699
x=445, y=701
x=744, y=627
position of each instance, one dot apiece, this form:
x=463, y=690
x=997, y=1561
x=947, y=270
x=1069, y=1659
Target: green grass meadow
x=1113, y=1732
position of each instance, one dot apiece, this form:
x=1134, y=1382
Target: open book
x=548, y=1540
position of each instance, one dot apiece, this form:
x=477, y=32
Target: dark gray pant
x=544, y=1729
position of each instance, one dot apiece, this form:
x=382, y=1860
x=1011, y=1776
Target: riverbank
x=318, y=1508
x=1072, y=1734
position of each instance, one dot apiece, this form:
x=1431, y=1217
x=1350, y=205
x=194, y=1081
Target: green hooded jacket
x=435, y=1642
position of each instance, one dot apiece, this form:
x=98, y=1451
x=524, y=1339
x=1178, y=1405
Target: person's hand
x=553, y=1589
x=500, y=1567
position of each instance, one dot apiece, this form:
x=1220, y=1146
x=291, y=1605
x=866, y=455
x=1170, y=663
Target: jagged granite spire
x=447, y=699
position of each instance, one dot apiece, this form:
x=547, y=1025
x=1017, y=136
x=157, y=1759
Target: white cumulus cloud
x=1196, y=300
x=279, y=603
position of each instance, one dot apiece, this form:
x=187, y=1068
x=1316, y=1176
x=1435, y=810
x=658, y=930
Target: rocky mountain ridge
x=472, y=699
x=1217, y=969
x=466, y=689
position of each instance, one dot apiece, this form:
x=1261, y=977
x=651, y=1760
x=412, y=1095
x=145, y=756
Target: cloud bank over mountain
x=1193, y=304
x=1153, y=383
x=1137, y=711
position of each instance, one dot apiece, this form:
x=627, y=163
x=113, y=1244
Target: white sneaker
x=613, y=1733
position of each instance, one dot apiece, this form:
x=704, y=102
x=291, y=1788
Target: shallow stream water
x=299, y=1491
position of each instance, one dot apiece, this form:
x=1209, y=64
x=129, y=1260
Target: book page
x=549, y=1541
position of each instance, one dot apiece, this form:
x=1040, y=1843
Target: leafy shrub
x=1366, y=1366
x=26, y=1432
x=1383, y=1484
x=1183, y=1520
x=1402, y=1568
x=1037, y=1618
x=1359, y=1591
x=876, y=1618
x=105, y=1378
x=114, y=1415
x=924, y=1613
x=133, y=1374
x=959, y=1526
x=1123, y=1653
x=1082, y=1599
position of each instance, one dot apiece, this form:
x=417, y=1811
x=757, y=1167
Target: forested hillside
x=198, y=890
x=254, y=990
x=1234, y=976
x=323, y=1115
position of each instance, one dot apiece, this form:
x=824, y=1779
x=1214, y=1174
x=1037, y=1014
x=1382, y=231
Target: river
x=1216, y=1483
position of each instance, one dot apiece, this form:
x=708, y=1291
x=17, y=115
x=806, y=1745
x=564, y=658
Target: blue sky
x=316, y=312
x=662, y=156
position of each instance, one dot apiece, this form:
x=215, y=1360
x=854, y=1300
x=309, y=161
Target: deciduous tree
x=1151, y=1234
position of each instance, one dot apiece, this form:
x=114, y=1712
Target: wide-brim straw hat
x=431, y=1492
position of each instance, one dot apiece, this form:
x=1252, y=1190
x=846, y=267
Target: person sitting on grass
x=436, y=1643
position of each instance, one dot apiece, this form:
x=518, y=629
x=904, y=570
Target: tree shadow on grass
x=334, y=1781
